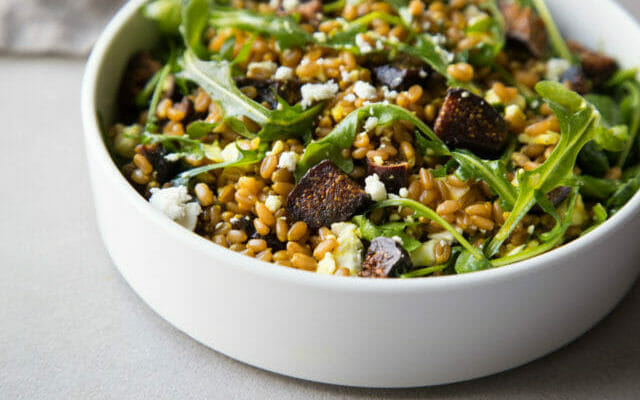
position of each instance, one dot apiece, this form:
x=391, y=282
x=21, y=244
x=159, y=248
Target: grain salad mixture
x=403, y=138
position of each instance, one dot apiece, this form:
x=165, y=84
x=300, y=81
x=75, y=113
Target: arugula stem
x=150, y=126
x=427, y=212
x=558, y=44
x=423, y=271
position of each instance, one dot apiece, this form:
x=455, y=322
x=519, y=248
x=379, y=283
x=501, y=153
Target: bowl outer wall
x=391, y=333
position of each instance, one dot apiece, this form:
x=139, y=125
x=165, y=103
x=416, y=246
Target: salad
x=377, y=139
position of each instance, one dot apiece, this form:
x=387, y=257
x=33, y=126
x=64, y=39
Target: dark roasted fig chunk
x=266, y=90
x=596, y=66
x=576, y=80
x=385, y=257
x=468, y=121
x=325, y=195
x=394, y=174
x=556, y=196
x=155, y=153
x=139, y=71
x=399, y=76
x=525, y=27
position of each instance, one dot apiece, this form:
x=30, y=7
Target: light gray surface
x=70, y=327
x=52, y=26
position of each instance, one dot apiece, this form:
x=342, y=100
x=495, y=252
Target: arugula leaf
x=626, y=189
x=597, y=188
x=345, y=38
x=492, y=172
x=343, y=135
x=558, y=44
x=166, y=14
x=246, y=157
x=284, y=29
x=370, y=231
x=215, y=77
x=579, y=123
x=493, y=28
x=631, y=112
x=194, y=22
x=473, y=255
x=553, y=238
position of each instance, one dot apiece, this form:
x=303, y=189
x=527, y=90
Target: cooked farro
x=283, y=120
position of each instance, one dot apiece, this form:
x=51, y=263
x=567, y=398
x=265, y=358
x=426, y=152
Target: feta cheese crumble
x=261, y=68
x=365, y=90
x=288, y=160
x=312, y=92
x=283, y=73
x=556, y=67
x=403, y=192
x=174, y=203
x=371, y=123
x=349, y=252
x=273, y=203
x=375, y=188
x=363, y=45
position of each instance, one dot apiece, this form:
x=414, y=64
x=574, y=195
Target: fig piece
x=325, y=195
x=385, y=257
x=394, y=174
x=596, y=66
x=525, y=27
x=266, y=90
x=155, y=153
x=467, y=121
x=555, y=196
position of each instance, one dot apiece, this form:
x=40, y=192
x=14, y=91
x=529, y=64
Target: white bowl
x=359, y=332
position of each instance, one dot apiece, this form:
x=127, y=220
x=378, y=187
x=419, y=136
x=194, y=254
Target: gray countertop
x=71, y=328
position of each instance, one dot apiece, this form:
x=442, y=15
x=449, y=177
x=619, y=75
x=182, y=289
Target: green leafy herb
x=215, y=78
x=485, y=52
x=246, y=157
x=473, y=256
x=579, y=123
x=166, y=14
x=631, y=114
x=558, y=44
x=343, y=135
x=194, y=22
x=552, y=238
x=370, y=231
x=493, y=172
x=284, y=29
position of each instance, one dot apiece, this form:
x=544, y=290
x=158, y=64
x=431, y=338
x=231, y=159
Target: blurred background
x=53, y=27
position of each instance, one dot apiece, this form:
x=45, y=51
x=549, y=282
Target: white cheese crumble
x=288, y=160
x=389, y=94
x=174, y=203
x=230, y=152
x=312, y=92
x=289, y=5
x=283, y=73
x=256, y=68
x=403, y=192
x=556, y=67
x=371, y=123
x=350, y=97
x=349, y=252
x=320, y=36
x=327, y=266
x=273, y=203
x=375, y=188
x=363, y=45
x=365, y=90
